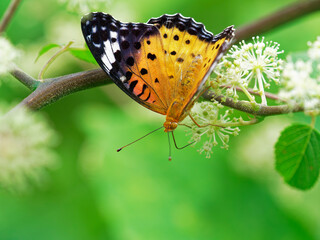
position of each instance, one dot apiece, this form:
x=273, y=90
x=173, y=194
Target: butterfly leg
x=175, y=143
x=202, y=126
x=183, y=124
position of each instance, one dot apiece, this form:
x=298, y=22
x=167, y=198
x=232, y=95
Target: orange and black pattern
x=159, y=63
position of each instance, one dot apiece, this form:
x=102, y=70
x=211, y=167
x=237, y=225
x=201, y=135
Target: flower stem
x=242, y=122
x=54, y=57
x=246, y=92
x=251, y=91
x=261, y=88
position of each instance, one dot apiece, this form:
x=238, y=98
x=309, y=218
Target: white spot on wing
x=114, y=34
x=106, y=61
x=115, y=45
x=108, y=51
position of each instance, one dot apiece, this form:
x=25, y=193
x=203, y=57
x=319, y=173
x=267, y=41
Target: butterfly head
x=170, y=125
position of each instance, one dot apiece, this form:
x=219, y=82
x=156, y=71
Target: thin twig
x=284, y=15
x=8, y=15
x=54, y=57
x=24, y=78
x=258, y=110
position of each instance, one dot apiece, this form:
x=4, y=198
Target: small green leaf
x=46, y=49
x=298, y=155
x=83, y=54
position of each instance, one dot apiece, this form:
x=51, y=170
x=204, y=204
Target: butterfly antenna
x=175, y=144
x=118, y=150
x=169, y=147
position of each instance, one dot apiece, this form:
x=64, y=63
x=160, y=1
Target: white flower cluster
x=8, y=54
x=257, y=61
x=25, y=150
x=314, y=49
x=301, y=80
x=85, y=6
x=214, y=126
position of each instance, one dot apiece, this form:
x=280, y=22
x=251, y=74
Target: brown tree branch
x=24, y=78
x=52, y=90
x=8, y=15
x=287, y=14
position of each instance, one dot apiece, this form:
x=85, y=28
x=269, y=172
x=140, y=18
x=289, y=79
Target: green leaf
x=298, y=155
x=46, y=49
x=83, y=54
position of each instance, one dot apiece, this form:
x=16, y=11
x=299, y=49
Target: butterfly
x=163, y=64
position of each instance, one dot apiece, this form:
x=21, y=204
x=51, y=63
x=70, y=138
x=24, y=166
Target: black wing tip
x=189, y=23
x=228, y=32
x=183, y=24
x=87, y=17
x=93, y=16
x=192, y=26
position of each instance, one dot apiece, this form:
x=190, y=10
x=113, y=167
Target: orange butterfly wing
x=120, y=50
x=193, y=52
x=162, y=64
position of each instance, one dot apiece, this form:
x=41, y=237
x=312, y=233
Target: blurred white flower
x=256, y=61
x=314, y=49
x=207, y=115
x=26, y=152
x=298, y=85
x=85, y=6
x=8, y=54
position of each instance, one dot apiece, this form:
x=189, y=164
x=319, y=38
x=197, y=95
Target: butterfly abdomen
x=176, y=111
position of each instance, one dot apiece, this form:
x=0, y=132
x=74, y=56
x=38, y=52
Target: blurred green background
x=97, y=193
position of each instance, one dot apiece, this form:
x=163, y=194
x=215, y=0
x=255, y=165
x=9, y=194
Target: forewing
x=192, y=51
x=131, y=53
